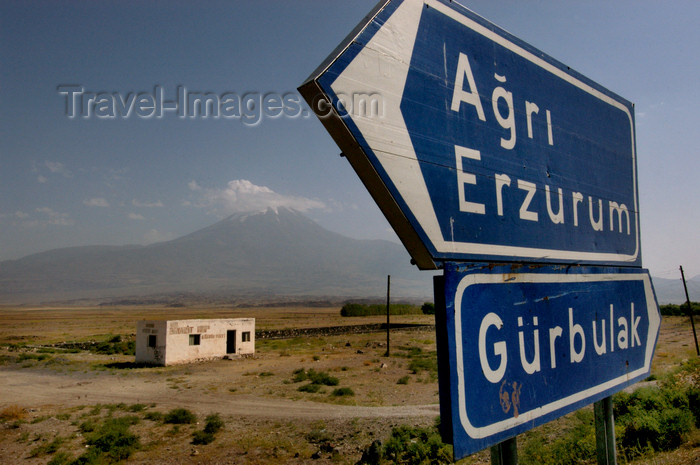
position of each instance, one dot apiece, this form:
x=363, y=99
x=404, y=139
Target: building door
x=231, y=342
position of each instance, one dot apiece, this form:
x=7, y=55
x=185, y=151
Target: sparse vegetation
x=353, y=309
x=111, y=442
x=115, y=345
x=651, y=419
x=316, y=377
x=58, y=434
x=213, y=424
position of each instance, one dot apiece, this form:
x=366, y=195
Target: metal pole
x=690, y=312
x=388, y=292
x=605, y=432
x=505, y=453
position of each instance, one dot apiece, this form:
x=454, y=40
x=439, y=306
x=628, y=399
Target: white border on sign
x=524, y=417
x=382, y=66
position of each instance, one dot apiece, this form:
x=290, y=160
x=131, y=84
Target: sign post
x=517, y=176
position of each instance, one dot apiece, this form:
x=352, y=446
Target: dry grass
x=12, y=413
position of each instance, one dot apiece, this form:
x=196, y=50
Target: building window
x=151, y=340
x=194, y=339
x=245, y=336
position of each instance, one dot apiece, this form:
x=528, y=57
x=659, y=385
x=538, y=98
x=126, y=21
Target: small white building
x=182, y=341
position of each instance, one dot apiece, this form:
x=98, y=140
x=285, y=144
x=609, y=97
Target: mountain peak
x=276, y=251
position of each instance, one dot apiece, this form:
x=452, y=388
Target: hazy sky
x=142, y=178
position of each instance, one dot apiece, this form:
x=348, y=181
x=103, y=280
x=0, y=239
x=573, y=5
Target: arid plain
x=54, y=392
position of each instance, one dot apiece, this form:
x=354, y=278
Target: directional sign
x=528, y=344
x=477, y=146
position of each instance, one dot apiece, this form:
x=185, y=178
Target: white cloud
x=137, y=203
x=41, y=179
x=56, y=167
x=241, y=195
x=193, y=186
x=21, y=215
x=96, y=202
x=136, y=216
x=54, y=217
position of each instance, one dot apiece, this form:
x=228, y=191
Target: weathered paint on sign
x=526, y=344
x=476, y=145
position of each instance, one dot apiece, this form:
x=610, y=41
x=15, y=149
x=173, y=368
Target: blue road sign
x=476, y=145
x=528, y=344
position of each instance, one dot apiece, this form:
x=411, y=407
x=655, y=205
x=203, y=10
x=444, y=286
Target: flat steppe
x=267, y=419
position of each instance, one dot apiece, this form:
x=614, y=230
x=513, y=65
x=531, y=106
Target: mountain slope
x=278, y=252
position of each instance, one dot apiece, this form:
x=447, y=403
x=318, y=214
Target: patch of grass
x=30, y=356
x=153, y=416
x=47, y=448
x=87, y=426
x=180, y=416
x=111, y=442
x=12, y=413
x=319, y=434
x=61, y=458
x=403, y=380
x=137, y=408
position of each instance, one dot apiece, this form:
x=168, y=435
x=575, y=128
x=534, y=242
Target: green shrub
x=343, y=392
x=428, y=308
x=316, y=377
x=202, y=438
x=403, y=380
x=213, y=423
x=656, y=418
x=679, y=310
x=180, y=416
x=320, y=377
x=408, y=445
x=312, y=388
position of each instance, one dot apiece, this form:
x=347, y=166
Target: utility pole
x=690, y=311
x=388, y=292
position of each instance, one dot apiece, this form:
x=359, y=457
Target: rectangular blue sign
x=526, y=345
x=476, y=145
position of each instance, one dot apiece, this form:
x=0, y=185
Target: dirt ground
x=267, y=419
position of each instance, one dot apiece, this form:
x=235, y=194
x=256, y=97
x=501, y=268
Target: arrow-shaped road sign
x=526, y=344
x=477, y=146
